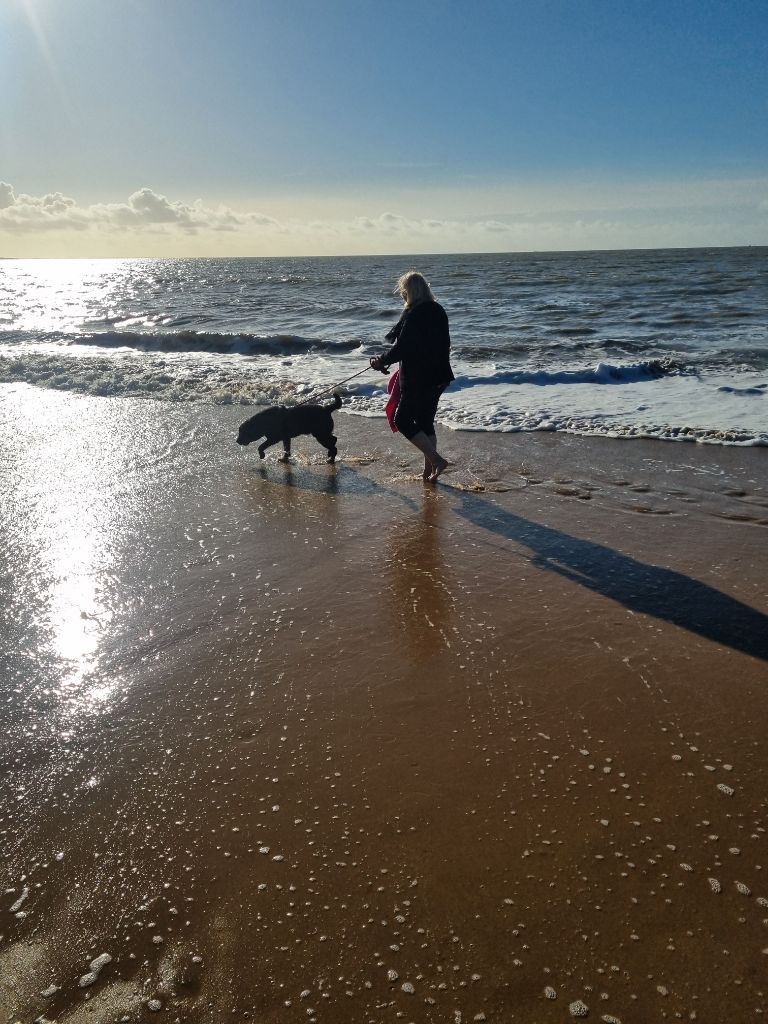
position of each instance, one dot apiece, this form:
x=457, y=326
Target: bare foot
x=437, y=469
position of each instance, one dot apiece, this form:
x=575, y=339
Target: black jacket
x=422, y=346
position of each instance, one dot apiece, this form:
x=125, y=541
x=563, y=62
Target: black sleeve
x=392, y=355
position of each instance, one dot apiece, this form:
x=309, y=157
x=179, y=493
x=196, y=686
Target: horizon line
x=427, y=254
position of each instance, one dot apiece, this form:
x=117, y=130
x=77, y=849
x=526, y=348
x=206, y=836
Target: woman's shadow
x=652, y=590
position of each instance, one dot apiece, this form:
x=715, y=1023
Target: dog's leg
x=285, y=457
x=267, y=444
x=328, y=441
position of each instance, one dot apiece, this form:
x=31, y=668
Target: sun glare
x=56, y=295
x=73, y=539
x=34, y=12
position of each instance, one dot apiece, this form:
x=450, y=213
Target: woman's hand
x=377, y=364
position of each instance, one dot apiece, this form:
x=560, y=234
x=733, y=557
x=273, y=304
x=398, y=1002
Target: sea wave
x=143, y=377
x=187, y=341
x=483, y=403
x=603, y=373
x=663, y=343
x=200, y=341
x=597, y=426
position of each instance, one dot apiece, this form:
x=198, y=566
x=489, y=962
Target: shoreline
x=347, y=744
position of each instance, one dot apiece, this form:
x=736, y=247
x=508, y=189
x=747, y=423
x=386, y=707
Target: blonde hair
x=413, y=287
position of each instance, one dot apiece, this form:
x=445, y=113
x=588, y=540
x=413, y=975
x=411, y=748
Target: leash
x=331, y=388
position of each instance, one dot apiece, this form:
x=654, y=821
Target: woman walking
x=421, y=344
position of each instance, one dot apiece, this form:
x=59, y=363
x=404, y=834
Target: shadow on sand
x=650, y=589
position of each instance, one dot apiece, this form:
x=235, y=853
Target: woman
x=422, y=345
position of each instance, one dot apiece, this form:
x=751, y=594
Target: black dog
x=282, y=422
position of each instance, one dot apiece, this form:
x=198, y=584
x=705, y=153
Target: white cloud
x=145, y=210
x=22, y=213
x=7, y=198
x=149, y=223
x=147, y=207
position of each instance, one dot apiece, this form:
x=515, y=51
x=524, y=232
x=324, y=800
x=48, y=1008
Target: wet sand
x=311, y=743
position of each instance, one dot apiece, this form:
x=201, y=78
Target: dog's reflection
x=420, y=588
x=333, y=480
x=301, y=479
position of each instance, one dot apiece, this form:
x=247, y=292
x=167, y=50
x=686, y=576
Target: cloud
x=147, y=210
x=150, y=223
x=385, y=225
x=22, y=213
x=147, y=207
x=144, y=210
x=7, y=198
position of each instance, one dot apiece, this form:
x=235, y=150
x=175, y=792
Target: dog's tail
x=336, y=401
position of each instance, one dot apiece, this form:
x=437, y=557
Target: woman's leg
x=437, y=464
x=434, y=463
x=428, y=466
x=415, y=419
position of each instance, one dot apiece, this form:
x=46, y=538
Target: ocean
x=666, y=344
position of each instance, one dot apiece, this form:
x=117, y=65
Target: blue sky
x=193, y=126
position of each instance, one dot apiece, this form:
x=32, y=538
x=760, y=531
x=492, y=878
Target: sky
x=313, y=127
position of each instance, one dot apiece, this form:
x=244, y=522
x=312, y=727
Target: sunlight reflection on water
x=58, y=502
x=59, y=295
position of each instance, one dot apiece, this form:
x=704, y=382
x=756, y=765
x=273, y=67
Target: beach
x=291, y=742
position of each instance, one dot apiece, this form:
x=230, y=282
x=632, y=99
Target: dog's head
x=252, y=429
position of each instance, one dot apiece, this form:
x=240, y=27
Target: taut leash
x=332, y=387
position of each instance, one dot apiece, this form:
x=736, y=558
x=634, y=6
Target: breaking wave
x=603, y=373
x=192, y=342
